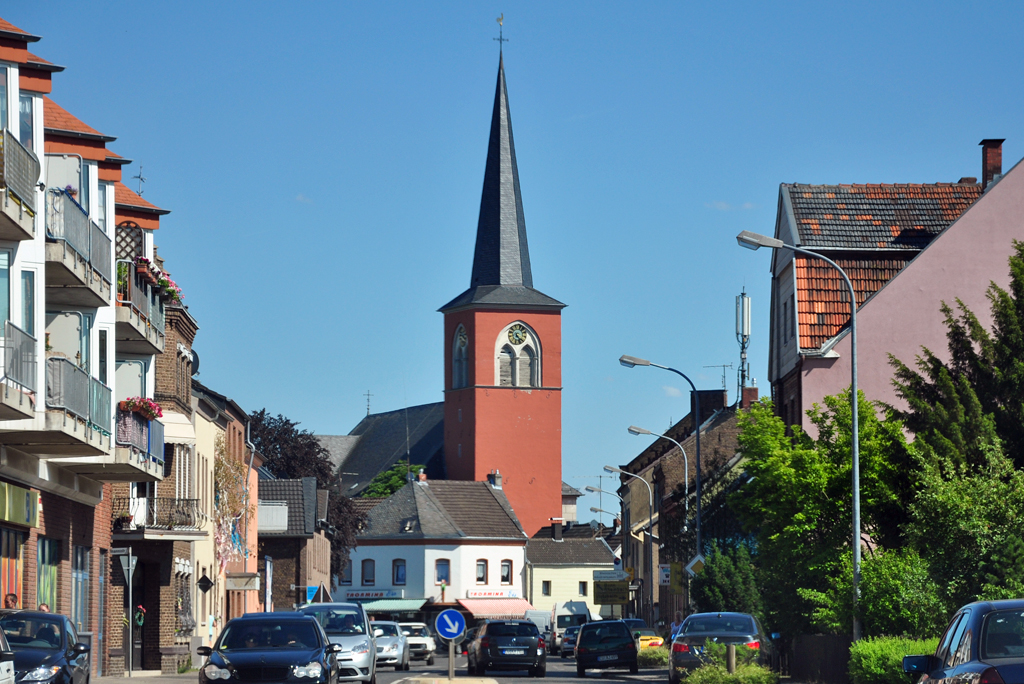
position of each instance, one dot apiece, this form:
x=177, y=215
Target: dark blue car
x=46, y=648
x=984, y=644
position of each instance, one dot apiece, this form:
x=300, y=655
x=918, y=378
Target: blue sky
x=323, y=162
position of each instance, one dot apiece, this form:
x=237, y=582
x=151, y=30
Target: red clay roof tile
x=56, y=117
x=8, y=26
x=126, y=197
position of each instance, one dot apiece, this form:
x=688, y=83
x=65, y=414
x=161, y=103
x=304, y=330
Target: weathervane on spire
x=501, y=25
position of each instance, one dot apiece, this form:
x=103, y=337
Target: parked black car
x=722, y=628
x=271, y=647
x=604, y=645
x=981, y=645
x=507, y=645
x=46, y=648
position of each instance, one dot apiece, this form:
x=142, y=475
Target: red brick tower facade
x=503, y=351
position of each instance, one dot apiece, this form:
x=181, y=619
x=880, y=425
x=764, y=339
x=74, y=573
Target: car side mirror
x=204, y=651
x=378, y=632
x=6, y=656
x=918, y=664
x=80, y=648
x=335, y=648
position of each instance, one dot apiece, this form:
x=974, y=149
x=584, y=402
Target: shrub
x=652, y=657
x=880, y=660
x=745, y=674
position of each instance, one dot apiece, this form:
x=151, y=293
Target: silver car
x=392, y=646
x=348, y=625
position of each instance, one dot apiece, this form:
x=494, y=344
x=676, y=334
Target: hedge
x=880, y=660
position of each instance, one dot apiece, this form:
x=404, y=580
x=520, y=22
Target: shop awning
x=393, y=605
x=178, y=428
x=496, y=608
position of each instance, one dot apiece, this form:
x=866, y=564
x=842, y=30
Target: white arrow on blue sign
x=450, y=624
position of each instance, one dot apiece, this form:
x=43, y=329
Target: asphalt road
x=557, y=668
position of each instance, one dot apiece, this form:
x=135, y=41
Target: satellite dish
x=195, y=362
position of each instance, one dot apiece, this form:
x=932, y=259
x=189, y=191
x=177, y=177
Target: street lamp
x=634, y=430
x=755, y=241
x=597, y=490
x=650, y=533
x=630, y=362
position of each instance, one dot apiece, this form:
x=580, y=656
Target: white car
x=420, y=640
x=6, y=661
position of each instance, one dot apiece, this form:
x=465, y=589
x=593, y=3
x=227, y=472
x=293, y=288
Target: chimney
x=749, y=397
x=494, y=478
x=991, y=160
x=556, y=530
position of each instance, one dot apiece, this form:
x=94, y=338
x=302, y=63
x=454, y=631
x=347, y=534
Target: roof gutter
x=64, y=133
x=24, y=37
x=44, y=66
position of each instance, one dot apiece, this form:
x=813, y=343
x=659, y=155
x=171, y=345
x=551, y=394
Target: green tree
x=728, y=582
x=897, y=597
x=391, y=480
x=957, y=407
x=798, y=503
x=291, y=453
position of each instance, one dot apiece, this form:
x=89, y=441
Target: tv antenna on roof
x=367, y=395
x=723, y=366
x=141, y=179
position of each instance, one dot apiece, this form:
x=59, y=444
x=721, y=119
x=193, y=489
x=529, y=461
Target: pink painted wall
x=904, y=315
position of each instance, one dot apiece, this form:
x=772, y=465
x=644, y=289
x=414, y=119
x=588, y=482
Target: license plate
x=607, y=657
x=514, y=651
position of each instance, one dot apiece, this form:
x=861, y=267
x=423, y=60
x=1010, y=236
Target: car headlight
x=362, y=647
x=313, y=670
x=391, y=647
x=41, y=674
x=213, y=672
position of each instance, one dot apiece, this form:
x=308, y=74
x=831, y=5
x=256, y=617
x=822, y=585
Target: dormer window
x=517, y=357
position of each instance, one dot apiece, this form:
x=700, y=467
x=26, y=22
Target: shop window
x=47, y=562
x=80, y=588
x=12, y=544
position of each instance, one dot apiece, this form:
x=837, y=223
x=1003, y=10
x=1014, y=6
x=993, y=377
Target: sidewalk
x=151, y=677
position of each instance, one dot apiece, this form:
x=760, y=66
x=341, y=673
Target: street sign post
x=124, y=554
x=450, y=625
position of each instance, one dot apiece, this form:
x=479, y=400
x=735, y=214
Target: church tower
x=503, y=351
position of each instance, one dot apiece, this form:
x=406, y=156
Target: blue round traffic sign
x=450, y=624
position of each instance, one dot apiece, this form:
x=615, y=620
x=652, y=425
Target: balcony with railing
x=138, y=454
x=78, y=254
x=19, y=174
x=140, y=313
x=157, y=518
x=77, y=420
x=20, y=367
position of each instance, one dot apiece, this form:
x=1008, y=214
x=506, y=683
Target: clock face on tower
x=517, y=334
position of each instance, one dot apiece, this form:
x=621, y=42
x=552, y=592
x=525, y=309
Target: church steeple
x=501, y=260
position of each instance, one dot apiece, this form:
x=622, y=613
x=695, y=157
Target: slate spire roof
x=501, y=260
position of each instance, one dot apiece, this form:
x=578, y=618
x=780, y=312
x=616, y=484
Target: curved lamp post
x=755, y=241
x=634, y=430
x=630, y=362
x=650, y=532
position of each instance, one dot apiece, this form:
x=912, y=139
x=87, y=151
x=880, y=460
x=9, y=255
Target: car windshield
x=339, y=621
x=572, y=631
x=603, y=634
x=735, y=624
x=416, y=631
x=635, y=623
x=1002, y=635
x=511, y=629
x=257, y=635
x=388, y=628
x=646, y=632
x=31, y=632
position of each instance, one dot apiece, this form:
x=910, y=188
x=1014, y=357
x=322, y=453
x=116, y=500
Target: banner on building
x=493, y=593
x=19, y=505
x=611, y=593
x=382, y=594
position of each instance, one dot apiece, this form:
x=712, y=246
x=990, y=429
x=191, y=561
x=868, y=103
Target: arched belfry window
x=517, y=357
x=460, y=359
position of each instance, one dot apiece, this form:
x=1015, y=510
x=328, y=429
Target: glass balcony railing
x=20, y=360
x=68, y=222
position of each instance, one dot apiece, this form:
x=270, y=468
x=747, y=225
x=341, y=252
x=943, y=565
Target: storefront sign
x=243, y=582
x=381, y=594
x=664, y=574
x=18, y=505
x=492, y=593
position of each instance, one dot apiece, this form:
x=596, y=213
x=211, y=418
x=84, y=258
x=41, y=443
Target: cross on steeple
x=501, y=24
